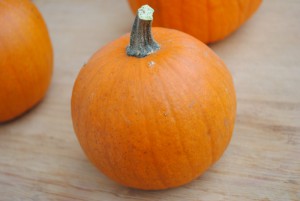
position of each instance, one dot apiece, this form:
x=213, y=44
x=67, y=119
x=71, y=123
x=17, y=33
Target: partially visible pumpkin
x=207, y=20
x=158, y=116
x=26, y=58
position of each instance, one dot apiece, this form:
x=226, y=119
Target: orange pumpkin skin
x=209, y=20
x=155, y=122
x=26, y=58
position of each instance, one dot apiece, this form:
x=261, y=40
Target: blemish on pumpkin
x=126, y=120
x=226, y=90
x=151, y=64
x=91, y=97
x=226, y=123
x=192, y=104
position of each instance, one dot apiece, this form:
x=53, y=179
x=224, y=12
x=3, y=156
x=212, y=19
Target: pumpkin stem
x=141, y=40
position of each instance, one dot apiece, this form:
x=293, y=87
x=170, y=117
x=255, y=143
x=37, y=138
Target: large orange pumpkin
x=157, y=116
x=207, y=20
x=26, y=58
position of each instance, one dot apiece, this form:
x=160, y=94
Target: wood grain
x=41, y=159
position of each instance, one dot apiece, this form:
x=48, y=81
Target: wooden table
x=41, y=159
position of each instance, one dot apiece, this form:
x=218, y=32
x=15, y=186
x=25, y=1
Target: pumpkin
x=154, y=115
x=207, y=20
x=26, y=58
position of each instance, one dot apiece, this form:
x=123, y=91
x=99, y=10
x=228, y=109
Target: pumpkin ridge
x=183, y=148
x=182, y=15
x=248, y=9
x=209, y=134
x=21, y=90
x=222, y=108
x=88, y=89
x=118, y=63
x=239, y=11
x=14, y=74
x=225, y=22
x=104, y=107
x=141, y=106
x=208, y=21
x=213, y=90
x=87, y=85
x=160, y=175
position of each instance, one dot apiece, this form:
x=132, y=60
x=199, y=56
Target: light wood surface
x=40, y=158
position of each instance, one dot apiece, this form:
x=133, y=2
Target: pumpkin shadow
x=20, y=116
x=177, y=193
x=200, y=185
x=96, y=184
